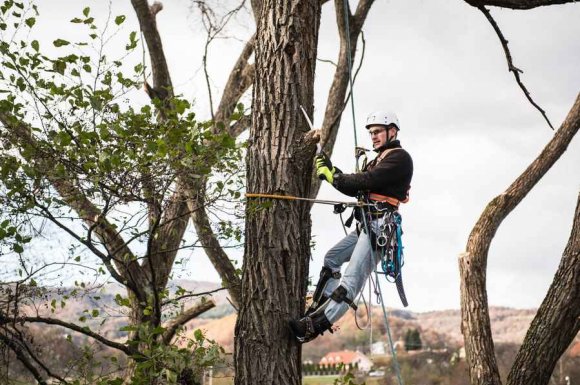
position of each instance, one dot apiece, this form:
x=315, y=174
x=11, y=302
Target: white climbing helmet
x=382, y=118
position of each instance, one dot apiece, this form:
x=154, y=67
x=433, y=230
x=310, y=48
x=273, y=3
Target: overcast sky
x=439, y=65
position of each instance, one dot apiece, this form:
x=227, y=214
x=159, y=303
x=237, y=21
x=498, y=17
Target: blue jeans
x=356, y=250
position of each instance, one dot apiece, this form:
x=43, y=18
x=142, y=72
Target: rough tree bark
x=475, y=324
x=279, y=161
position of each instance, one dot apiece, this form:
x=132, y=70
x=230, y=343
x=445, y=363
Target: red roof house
x=348, y=358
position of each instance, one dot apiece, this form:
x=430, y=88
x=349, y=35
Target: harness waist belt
x=385, y=199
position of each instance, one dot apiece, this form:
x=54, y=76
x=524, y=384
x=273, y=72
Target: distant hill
x=438, y=329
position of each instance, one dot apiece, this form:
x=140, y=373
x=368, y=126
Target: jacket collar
x=391, y=144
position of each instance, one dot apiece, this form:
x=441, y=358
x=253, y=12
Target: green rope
x=349, y=57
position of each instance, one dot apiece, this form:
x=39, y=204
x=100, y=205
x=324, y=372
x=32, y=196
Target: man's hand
x=324, y=168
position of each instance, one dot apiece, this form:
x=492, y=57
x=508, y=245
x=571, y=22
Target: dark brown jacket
x=391, y=176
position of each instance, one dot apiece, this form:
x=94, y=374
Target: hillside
x=439, y=329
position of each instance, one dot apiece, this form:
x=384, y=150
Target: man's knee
x=340, y=294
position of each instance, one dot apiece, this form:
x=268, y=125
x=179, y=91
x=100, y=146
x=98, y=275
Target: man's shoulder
x=396, y=152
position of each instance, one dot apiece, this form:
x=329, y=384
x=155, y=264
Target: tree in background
x=413, y=340
x=557, y=321
x=117, y=182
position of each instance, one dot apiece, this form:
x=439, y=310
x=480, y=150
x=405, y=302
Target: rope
x=294, y=198
x=393, y=351
x=395, y=361
x=349, y=61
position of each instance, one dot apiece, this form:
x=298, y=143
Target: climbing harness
x=365, y=222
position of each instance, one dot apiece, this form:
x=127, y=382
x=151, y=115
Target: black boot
x=308, y=328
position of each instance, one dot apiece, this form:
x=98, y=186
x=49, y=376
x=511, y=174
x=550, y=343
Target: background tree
x=110, y=177
x=557, y=321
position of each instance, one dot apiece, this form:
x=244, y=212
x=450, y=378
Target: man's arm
x=390, y=170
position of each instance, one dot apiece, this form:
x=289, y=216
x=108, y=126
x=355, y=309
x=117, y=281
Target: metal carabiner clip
x=381, y=240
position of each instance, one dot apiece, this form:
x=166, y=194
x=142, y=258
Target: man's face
x=380, y=135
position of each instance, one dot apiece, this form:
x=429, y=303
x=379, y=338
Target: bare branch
x=192, y=295
x=23, y=358
x=240, y=79
x=79, y=329
x=179, y=321
x=516, y=71
x=517, y=4
x=475, y=324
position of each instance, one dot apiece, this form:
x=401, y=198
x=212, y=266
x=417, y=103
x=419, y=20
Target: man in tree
x=383, y=183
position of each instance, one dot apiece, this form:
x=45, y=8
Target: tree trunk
x=279, y=161
x=557, y=321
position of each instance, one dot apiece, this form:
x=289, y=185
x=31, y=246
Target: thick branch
x=167, y=237
x=557, y=321
x=240, y=79
x=146, y=17
x=179, y=321
x=473, y=262
x=517, y=4
x=516, y=71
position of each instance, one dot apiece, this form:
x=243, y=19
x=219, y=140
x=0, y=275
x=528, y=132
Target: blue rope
x=392, y=268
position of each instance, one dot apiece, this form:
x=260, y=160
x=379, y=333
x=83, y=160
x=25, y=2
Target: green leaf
x=119, y=19
x=60, y=42
x=18, y=248
x=30, y=21
x=86, y=11
x=95, y=313
x=78, y=258
x=87, y=68
x=35, y=45
x=76, y=20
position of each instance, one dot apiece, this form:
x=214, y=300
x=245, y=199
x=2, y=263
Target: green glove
x=324, y=168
